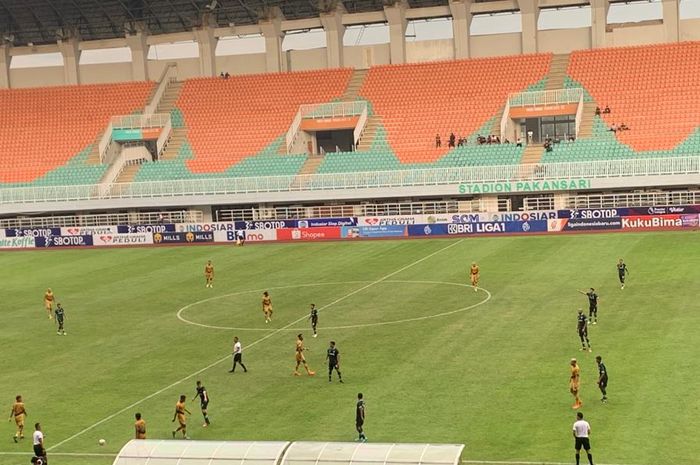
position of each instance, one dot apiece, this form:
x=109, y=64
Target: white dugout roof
x=174, y=452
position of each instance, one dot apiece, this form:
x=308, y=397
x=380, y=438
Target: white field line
x=252, y=344
x=499, y=462
x=354, y=326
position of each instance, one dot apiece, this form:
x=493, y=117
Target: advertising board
x=305, y=223
x=22, y=242
x=145, y=228
x=308, y=234
x=88, y=230
x=584, y=224
x=32, y=232
x=183, y=237
x=63, y=241
x=660, y=222
x=374, y=231
x=203, y=227
x=109, y=240
x=595, y=213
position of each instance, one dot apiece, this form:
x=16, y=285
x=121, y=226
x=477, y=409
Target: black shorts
x=603, y=382
x=332, y=366
x=582, y=442
x=314, y=321
x=622, y=277
x=238, y=358
x=204, y=405
x=593, y=308
x=359, y=422
x=39, y=451
x=582, y=333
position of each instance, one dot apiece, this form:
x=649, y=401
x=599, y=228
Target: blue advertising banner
x=493, y=227
x=145, y=228
x=306, y=223
x=598, y=213
x=373, y=231
x=427, y=229
x=183, y=237
x=32, y=232
x=63, y=241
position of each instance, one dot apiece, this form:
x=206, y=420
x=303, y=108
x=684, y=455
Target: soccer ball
x=101, y=442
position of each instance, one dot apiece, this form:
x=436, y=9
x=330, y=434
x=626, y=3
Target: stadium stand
x=49, y=134
x=651, y=88
x=229, y=120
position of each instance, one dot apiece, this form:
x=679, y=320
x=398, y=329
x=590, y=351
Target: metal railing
x=333, y=109
x=360, y=180
x=546, y=97
x=155, y=120
x=634, y=199
x=107, y=219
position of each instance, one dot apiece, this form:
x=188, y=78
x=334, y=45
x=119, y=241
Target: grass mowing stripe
x=252, y=344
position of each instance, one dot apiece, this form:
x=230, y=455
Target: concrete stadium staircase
x=352, y=92
x=586, y=127
x=532, y=154
x=128, y=173
x=178, y=136
x=557, y=72
x=367, y=138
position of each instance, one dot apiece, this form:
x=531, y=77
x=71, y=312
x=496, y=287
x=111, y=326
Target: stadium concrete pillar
x=271, y=28
x=139, y=55
x=70, y=49
x=396, y=17
x=599, y=22
x=529, y=14
x=671, y=20
x=206, y=41
x=461, y=20
x=5, y=66
x=335, y=30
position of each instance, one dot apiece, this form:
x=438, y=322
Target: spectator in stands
x=607, y=110
x=506, y=141
x=488, y=139
x=548, y=145
x=613, y=128
x=460, y=141
x=161, y=218
x=453, y=139
x=227, y=75
x=497, y=139
x=438, y=141
x=222, y=75
x=519, y=142
x=597, y=111
x=623, y=127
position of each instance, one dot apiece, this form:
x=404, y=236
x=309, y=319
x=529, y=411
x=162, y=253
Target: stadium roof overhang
x=40, y=22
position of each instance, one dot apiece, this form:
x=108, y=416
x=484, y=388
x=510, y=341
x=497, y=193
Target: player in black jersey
x=203, y=401
x=314, y=318
x=622, y=272
x=582, y=328
x=333, y=357
x=592, y=306
x=602, y=378
x=360, y=418
x=60, y=319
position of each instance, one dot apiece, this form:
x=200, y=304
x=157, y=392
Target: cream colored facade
x=398, y=50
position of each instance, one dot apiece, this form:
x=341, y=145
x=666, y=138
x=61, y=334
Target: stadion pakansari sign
x=525, y=186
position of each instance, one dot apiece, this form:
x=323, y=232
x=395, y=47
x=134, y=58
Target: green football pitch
x=436, y=361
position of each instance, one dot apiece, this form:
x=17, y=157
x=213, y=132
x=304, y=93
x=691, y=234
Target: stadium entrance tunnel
x=175, y=452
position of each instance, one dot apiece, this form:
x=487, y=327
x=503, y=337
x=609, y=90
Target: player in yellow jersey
x=139, y=427
x=209, y=274
x=180, y=411
x=49, y=299
x=474, y=275
x=19, y=414
x=267, y=306
x=300, y=357
x=575, y=383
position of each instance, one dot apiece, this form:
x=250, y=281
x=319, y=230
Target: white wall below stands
x=305, y=60
x=37, y=77
x=105, y=73
x=429, y=50
x=495, y=45
x=690, y=29
x=564, y=40
x=364, y=56
x=636, y=35
x=253, y=63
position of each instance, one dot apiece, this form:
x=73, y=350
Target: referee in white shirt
x=581, y=432
x=237, y=355
x=38, y=442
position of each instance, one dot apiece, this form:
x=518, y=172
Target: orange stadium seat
x=653, y=89
x=417, y=101
x=42, y=129
x=231, y=119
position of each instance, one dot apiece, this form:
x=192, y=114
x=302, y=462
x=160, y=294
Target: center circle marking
x=361, y=325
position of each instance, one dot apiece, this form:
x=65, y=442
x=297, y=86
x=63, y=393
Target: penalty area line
x=251, y=345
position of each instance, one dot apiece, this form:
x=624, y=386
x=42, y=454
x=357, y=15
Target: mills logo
x=189, y=237
x=157, y=238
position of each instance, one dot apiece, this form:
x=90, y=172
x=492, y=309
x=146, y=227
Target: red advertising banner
x=308, y=234
x=660, y=222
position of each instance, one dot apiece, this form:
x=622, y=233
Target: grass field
x=492, y=375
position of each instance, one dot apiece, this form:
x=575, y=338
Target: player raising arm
x=592, y=306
